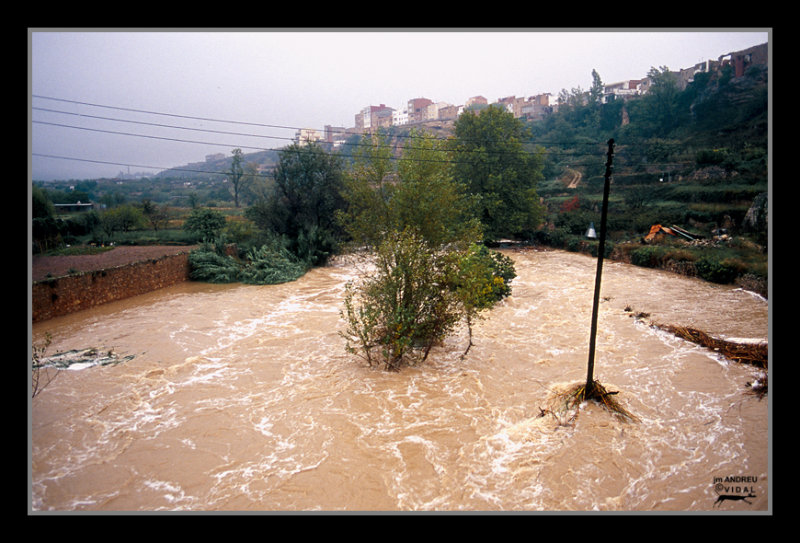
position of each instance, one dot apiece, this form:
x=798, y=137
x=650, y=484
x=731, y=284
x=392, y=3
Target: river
x=243, y=398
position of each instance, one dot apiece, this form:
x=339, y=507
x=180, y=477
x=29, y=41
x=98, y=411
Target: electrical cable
x=574, y=155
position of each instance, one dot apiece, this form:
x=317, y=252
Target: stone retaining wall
x=62, y=295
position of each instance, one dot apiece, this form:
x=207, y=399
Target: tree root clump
x=576, y=394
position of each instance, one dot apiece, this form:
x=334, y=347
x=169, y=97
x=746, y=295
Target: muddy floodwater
x=243, y=398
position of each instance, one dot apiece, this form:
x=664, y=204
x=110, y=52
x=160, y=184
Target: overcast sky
x=300, y=79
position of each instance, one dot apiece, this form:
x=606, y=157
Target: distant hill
x=266, y=160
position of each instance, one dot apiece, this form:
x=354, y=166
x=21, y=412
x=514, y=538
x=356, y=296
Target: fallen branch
x=755, y=354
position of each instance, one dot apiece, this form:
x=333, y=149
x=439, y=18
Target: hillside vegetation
x=696, y=159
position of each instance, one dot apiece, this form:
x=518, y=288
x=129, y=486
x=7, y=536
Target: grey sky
x=300, y=79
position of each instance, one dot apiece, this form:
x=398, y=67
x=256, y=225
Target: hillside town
x=420, y=110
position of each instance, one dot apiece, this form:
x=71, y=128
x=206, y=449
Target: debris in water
x=755, y=354
x=82, y=358
x=636, y=315
x=759, y=386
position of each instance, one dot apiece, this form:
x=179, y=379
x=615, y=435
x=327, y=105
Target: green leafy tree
x=369, y=185
x=42, y=206
x=122, y=218
x=656, y=113
x=205, y=223
x=420, y=194
x=595, y=97
x=237, y=175
x=303, y=202
x=493, y=163
x=156, y=215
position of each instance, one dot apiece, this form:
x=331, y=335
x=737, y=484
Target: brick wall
x=63, y=295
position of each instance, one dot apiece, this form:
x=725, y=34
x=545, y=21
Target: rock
x=755, y=220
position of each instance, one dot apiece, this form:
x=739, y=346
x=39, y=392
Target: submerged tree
x=397, y=314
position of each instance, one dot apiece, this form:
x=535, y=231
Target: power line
x=261, y=148
x=160, y=125
x=257, y=148
x=575, y=155
x=150, y=136
x=161, y=168
x=163, y=114
x=244, y=134
x=263, y=125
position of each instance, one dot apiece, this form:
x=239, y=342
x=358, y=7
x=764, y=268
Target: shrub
x=267, y=265
x=719, y=271
x=482, y=277
x=209, y=266
x=270, y=265
x=649, y=256
x=552, y=238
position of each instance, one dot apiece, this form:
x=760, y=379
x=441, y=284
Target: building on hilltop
x=532, y=107
x=434, y=110
x=418, y=109
x=335, y=135
x=400, y=115
x=476, y=100
x=623, y=90
x=450, y=112
x=373, y=117
x=741, y=60
x=304, y=136
x=536, y=107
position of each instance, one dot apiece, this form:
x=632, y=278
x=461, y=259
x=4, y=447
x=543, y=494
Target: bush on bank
x=736, y=261
x=269, y=264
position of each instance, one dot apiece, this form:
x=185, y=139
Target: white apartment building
x=400, y=115
x=623, y=89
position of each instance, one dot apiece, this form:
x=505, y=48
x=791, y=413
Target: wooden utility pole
x=589, y=389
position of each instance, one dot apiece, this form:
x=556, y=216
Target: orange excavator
x=658, y=231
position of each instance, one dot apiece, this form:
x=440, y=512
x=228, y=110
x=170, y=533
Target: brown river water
x=243, y=398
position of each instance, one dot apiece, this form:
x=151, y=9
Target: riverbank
x=46, y=269
x=672, y=259
x=69, y=283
